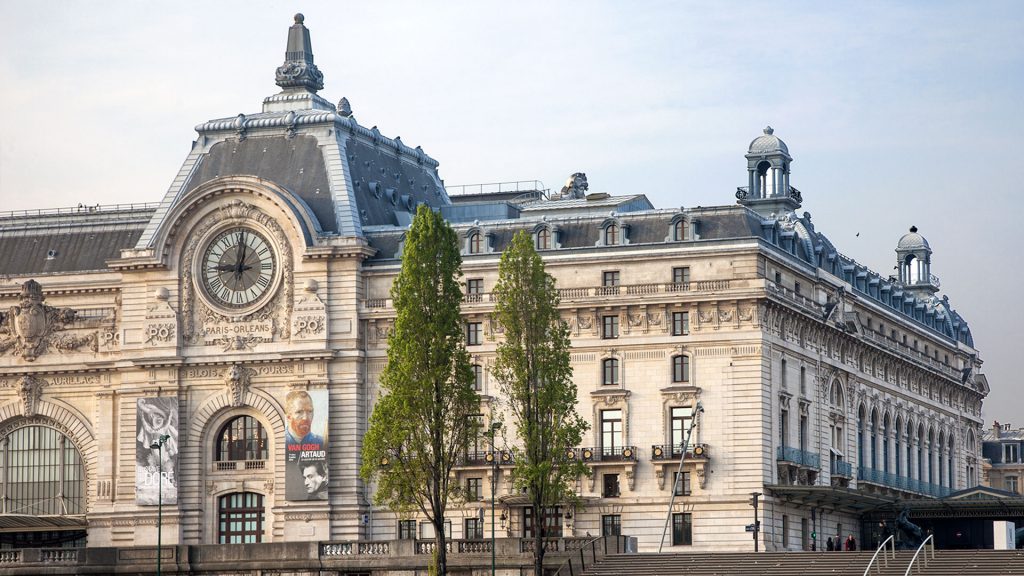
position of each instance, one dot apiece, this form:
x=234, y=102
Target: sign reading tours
x=156, y=417
x=306, y=445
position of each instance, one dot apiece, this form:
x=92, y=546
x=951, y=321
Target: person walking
x=828, y=545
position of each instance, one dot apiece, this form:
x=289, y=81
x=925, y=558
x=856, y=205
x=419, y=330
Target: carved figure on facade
x=30, y=389
x=237, y=383
x=30, y=327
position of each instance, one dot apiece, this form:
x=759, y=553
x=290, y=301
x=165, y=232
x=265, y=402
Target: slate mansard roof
x=79, y=239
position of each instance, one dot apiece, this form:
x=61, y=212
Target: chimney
x=995, y=429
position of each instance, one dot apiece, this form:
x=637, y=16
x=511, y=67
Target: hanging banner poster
x=156, y=469
x=306, y=445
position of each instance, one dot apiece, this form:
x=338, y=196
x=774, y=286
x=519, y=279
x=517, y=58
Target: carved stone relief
x=30, y=389
x=30, y=327
x=237, y=383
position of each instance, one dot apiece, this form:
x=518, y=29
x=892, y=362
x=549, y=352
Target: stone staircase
x=945, y=563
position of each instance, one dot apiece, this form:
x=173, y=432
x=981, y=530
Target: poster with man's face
x=156, y=468
x=306, y=445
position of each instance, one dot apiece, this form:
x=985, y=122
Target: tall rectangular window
x=796, y=288
x=681, y=275
x=611, y=486
x=611, y=432
x=1011, y=453
x=680, y=369
x=782, y=374
x=241, y=518
x=610, y=372
x=784, y=427
x=474, y=529
x=680, y=418
x=682, y=529
x=1011, y=484
x=610, y=278
x=803, y=380
x=478, y=377
x=406, y=529
x=551, y=521
x=474, y=333
x=803, y=432
x=474, y=489
x=610, y=326
x=611, y=525
x=475, y=286
x=785, y=531
x=680, y=323
x=682, y=488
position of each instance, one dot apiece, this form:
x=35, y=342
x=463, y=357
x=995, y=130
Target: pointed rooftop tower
x=298, y=77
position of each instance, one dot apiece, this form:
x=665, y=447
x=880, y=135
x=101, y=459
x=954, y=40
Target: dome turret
x=768, y=143
x=768, y=190
x=914, y=262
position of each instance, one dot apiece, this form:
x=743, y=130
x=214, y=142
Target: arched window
x=611, y=234
x=940, y=466
x=874, y=440
x=242, y=438
x=543, y=239
x=920, y=452
x=680, y=230
x=910, y=449
x=886, y=434
x=475, y=243
x=951, y=441
x=680, y=368
x=898, y=446
x=931, y=457
x=42, y=473
x=610, y=372
x=836, y=394
x=860, y=436
x=240, y=518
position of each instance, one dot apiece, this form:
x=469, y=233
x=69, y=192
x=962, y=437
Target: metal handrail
x=568, y=569
x=885, y=558
x=930, y=539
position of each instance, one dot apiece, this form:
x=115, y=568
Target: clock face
x=238, y=268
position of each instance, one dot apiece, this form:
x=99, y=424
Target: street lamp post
x=159, y=447
x=495, y=426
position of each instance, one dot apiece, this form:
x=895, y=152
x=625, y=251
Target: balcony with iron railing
x=672, y=452
x=483, y=458
x=890, y=480
x=798, y=457
x=840, y=468
x=604, y=454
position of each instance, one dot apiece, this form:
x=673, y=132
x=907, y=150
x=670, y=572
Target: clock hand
x=241, y=254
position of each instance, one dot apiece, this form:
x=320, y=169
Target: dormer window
x=476, y=243
x=679, y=229
x=543, y=239
x=611, y=235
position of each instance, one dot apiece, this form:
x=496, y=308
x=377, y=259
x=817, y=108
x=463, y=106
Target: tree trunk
x=538, y=541
x=440, y=548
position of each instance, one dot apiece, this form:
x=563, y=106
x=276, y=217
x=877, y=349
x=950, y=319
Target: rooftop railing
x=496, y=187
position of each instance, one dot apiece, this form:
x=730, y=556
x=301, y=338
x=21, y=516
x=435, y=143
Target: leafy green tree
x=533, y=369
x=424, y=419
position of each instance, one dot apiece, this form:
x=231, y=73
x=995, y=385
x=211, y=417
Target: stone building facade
x=1003, y=449
x=176, y=343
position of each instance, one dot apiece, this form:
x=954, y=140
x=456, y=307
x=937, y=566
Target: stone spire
x=298, y=70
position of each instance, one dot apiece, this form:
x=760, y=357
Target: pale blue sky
x=895, y=113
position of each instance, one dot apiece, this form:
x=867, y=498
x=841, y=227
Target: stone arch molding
x=279, y=202
x=66, y=420
x=228, y=399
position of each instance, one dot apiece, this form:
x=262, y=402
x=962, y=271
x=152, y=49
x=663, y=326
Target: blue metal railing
x=901, y=482
x=798, y=456
x=840, y=468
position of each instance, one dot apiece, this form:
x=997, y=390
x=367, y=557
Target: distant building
x=219, y=351
x=1003, y=450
